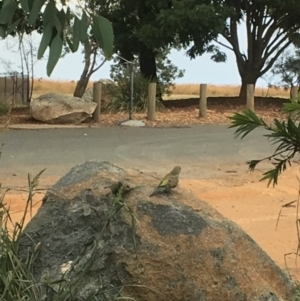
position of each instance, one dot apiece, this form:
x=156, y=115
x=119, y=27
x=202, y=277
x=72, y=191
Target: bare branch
x=272, y=61
x=273, y=46
x=102, y=63
x=93, y=63
x=259, y=23
x=249, y=34
x=93, y=69
x=267, y=22
x=224, y=45
x=233, y=40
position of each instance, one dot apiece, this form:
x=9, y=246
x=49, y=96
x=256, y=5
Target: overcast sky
x=199, y=70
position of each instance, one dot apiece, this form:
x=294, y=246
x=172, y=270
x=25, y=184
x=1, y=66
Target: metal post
x=29, y=93
x=23, y=92
x=5, y=86
x=15, y=83
x=131, y=90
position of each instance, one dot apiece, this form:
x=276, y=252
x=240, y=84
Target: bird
x=168, y=182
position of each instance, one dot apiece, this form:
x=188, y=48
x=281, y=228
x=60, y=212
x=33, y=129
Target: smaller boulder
x=59, y=108
x=133, y=122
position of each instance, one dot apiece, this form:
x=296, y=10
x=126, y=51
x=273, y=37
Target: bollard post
x=151, y=101
x=97, y=100
x=250, y=97
x=203, y=101
x=294, y=93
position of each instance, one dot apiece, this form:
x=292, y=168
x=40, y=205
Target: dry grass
x=227, y=90
x=185, y=90
x=54, y=86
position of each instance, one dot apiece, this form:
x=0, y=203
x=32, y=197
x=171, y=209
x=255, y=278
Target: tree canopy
x=22, y=16
x=143, y=28
x=271, y=27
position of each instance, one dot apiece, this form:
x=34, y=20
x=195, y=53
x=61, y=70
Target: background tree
x=91, y=51
x=271, y=26
x=26, y=50
x=19, y=16
x=287, y=67
x=145, y=28
x=91, y=65
x=167, y=72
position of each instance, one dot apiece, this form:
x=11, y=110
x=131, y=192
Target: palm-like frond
x=284, y=134
x=245, y=123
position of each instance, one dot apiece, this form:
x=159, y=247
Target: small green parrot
x=168, y=182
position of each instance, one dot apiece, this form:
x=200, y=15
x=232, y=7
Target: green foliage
x=155, y=25
x=4, y=109
x=16, y=278
x=19, y=21
x=55, y=22
x=288, y=68
x=167, y=72
x=292, y=108
x=195, y=24
x=284, y=134
x=120, y=100
x=296, y=295
x=246, y=123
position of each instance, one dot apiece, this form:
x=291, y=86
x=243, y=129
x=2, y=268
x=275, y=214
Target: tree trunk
x=81, y=85
x=147, y=60
x=147, y=63
x=248, y=78
x=85, y=75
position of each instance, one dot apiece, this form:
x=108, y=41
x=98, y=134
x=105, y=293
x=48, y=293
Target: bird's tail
x=158, y=190
x=155, y=192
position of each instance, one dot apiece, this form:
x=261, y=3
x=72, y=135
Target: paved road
x=199, y=150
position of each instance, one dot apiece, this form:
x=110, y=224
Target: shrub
x=4, y=108
x=120, y=98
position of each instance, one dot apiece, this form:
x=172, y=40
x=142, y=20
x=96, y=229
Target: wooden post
x=202, y=100
x=294, y=96
x=250, y=97
x=151, y=101
x=294, y=93
x=97, y=100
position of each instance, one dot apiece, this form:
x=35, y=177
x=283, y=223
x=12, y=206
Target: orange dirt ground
x=238, y=196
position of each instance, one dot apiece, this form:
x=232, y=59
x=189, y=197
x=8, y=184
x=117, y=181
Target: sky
x=199, y=70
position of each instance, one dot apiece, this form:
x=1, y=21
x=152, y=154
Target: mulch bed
x=180, y=112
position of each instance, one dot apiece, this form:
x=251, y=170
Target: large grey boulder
x=59, y=108
x=108, y=242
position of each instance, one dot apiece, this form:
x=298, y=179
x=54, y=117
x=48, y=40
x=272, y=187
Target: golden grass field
x=184, y=90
